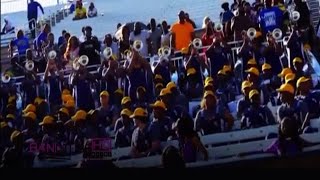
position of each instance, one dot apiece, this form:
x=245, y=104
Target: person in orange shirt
x=182, y=33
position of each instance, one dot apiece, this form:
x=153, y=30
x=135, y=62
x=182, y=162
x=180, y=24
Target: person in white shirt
x=7, y=26
x=142, y=35
x=92, y=12
x=166, y=35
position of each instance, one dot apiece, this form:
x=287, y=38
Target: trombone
x=218, y=27
x=251, y=33
x=137, y=45
x=197, y=43
x=277, y=34
x=5, y=78
x=107, y=53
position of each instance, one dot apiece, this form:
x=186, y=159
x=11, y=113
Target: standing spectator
x=207, y=37
x=205, y=21
x=72, y=51
x=142, y=35
x=270, y=17
x=240, y=23
x=155, y=37
x=182, y=33
x=166, y=35
x=33, y=15
x=41, y=40
x=90, y=47
x=62, y=39
x=21, y=42
x=190, y=20
x=227, y=15
x=7, y=27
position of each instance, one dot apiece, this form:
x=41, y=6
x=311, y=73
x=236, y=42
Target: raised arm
x=41, y=8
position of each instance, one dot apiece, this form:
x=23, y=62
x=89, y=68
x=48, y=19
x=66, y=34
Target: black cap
x=88, y=28
x=181, y=13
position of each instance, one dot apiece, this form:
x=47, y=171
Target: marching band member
x=269, y=84
x=163, y=68
x=109, y=80
x=29, y=87
x=240, y=23
x=53, y=77
x=81, y=80
x=244, y=103
x=253, y=77
x=124, y=128
x=272, y=54
x=90, y=47
x=143, y=35
x=108, y=42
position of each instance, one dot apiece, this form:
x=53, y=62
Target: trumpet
x=277, y=34
x=52, y=54
x=164, y=51
x=107, y=53
x=218, y=27
x=137, y=45
x=5, y=78
x=83, y=60
x=295, y=16
x=197, y=43
x=29, y=65
x=251, y=33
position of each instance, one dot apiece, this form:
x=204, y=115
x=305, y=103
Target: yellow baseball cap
x=266, y=66
x=80, y=115
x=245, y=84
x=158, y=76
x=47, y=120
x=66, y=97
x=64, y=110
x=12, y=99
x=191, y=71
x=126, y=112
x=252, y=62
x=30, y=108
x=31, y=115
x=66, y=91
x=70, y=104
x=302, y=80
x=3, y=124
x=159, y=104
x=159, y=85
x=297, y=60
x=253, y=92
x=207, y=84
x=306, y=46
x=118, y=91
x=208, y=79
x=165, y=91
x=289, y=77
x=226, y=68
x=208, y=93
x=171, y=85
x=14, y=135
x=10, y=116
x=104, y=93
x=284, y=72
x=125, y=100
x=221, y=72
x=253, y=70
x=139, y=112
x=38, y=100
x=184, y=50
x=286, y=88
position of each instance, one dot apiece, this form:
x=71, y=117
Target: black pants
x=32, y=26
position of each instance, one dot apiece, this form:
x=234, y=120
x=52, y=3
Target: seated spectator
x=189, y=141
x=7, y=27
x=289, y=142
x=172, y=159
x=161, y=125
x=208, y=120
x=140, y=144
x=123, y=129
x=80, y=12
x=244, y=103
x=92, y=11
x=257, y=115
